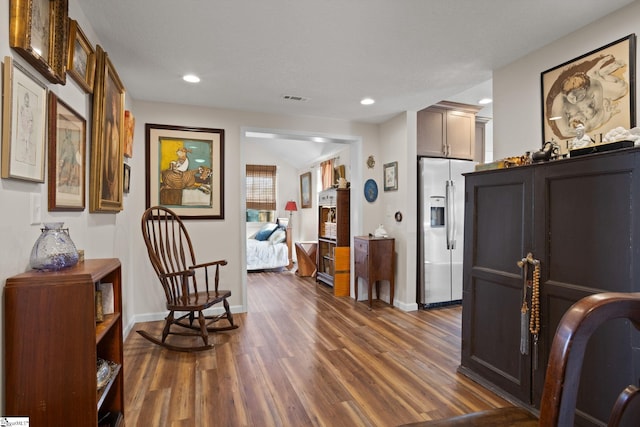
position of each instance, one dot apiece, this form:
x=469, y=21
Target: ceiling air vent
x=294, y=98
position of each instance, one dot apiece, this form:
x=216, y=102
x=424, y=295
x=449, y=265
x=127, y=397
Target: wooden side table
x=306, y=258
x=374, y=262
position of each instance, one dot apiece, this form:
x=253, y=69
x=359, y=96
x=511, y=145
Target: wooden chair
x=563, y=370
x=171, y=254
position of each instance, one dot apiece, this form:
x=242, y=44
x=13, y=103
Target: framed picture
x=305, y=190
x=339, y=172
x=390, y=176
x=127, y=178
x=66, y=165
x=105, y=189
x=38, y=32
x=185, y=170
x=596, y=90
x=23, y=124
x=129, y=125
x=81, y=57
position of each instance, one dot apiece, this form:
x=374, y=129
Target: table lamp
x=291, y=207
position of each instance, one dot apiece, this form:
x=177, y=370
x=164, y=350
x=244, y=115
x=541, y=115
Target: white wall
x=223, y=238
x=517, y=116
x=398, y=136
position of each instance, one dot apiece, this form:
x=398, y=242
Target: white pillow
x=278, y=236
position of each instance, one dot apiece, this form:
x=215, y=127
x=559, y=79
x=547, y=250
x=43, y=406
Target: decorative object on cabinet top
x=550, y=150
x=380, y=232
x=600, y=148
x=507, y=162
x=54, y=249
x=622, y=134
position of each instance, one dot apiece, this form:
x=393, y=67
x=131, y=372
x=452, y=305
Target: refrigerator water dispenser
x=437, y=211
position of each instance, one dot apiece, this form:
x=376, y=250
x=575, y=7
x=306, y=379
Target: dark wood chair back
x=170, y=251
x=562, y=378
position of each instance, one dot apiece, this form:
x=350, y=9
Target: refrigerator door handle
x=451, y=219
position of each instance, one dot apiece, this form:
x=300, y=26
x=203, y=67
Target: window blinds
x=261, y=187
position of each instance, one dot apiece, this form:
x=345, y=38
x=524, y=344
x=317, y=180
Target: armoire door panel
x=499, y=226
x=583, y=209
x=586, y=224
x=494, y=350
x=497, y=214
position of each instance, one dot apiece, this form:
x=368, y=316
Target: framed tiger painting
x=185, y=170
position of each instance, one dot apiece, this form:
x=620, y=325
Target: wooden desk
x=306, y=258
x=374, y=262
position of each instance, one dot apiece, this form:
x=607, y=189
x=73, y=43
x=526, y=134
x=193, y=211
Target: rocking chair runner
x=560, y=391
x=171, y=254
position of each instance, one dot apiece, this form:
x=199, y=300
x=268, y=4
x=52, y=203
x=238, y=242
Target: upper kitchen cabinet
x=447, y=129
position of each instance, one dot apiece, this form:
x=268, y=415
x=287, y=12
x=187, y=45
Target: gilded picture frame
x=24, y=121
x=305, y=190
x=81, y=57
x=66, y=157
x=390, y=171
x=38, y=33
x=596, y=89
x=185, y=170
x=105, y=187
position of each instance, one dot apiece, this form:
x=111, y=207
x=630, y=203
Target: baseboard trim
x=153, y=317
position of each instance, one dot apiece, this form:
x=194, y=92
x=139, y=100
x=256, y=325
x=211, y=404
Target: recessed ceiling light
x=485, y=101
x=367, y=101
x=191, y=78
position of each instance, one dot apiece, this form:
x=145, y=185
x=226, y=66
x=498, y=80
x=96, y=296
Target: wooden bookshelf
x=334, y=240
x=52, y=343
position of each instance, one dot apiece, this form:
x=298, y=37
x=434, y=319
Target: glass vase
x=54, y=249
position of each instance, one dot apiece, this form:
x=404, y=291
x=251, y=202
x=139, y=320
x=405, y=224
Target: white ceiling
x=406, y=54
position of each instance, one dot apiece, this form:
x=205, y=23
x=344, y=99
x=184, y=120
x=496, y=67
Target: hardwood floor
x=302, y=357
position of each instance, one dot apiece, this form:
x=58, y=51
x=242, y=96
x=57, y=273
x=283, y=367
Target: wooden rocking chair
x=171, y=254
x=562, y=378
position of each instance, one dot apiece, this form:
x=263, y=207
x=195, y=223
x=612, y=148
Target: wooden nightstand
x=374, y=262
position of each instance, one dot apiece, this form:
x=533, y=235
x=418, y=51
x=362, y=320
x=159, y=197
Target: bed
x=269, y=248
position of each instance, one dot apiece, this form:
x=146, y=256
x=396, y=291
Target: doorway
x=301, y=151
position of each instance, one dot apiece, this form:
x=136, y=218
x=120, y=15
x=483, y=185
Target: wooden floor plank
x=302, y=357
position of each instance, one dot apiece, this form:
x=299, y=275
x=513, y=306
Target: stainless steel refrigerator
x=441, y=231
